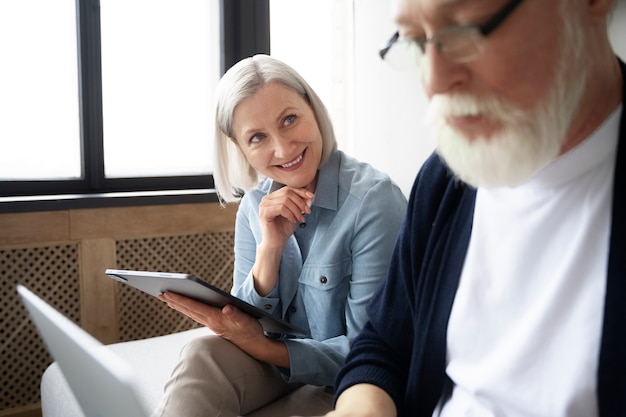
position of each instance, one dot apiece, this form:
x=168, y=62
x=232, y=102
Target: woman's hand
x=279, y=213
x=227, y=322
x=233, y=325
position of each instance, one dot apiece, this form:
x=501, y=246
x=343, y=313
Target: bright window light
x=39, y=117
x=160, y=64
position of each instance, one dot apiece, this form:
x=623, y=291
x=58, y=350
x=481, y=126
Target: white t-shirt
x=525, y=328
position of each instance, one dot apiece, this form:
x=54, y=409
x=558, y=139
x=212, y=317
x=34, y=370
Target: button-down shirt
x=330, y=267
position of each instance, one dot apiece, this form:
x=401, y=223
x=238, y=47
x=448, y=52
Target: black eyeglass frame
x=484, y=29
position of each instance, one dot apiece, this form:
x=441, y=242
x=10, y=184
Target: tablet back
x=101, y=381
x=156, y=283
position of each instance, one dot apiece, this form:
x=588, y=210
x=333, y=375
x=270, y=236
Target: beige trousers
x=214, y=378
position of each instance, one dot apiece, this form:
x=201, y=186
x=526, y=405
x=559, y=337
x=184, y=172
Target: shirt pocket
x=326, y=277
x=324, y=289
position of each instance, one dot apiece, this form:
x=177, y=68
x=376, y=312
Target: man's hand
x=364, y=400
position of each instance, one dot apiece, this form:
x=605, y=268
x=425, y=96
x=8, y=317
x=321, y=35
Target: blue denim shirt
x=330, y=268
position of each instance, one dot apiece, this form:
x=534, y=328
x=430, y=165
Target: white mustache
x=465, y=105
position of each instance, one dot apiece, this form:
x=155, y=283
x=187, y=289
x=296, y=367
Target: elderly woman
x=313, y=237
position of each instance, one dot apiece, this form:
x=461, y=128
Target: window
x=115, y=96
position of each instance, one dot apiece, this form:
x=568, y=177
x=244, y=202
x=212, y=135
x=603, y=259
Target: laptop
x=102, y=382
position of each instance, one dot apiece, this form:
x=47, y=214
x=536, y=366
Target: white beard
x=523, y=146
x=527, y=140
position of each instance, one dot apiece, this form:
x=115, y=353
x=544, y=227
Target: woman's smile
x=293, y=164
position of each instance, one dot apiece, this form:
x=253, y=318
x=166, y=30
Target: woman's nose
x=282, y=146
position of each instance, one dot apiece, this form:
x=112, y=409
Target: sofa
x=153, y=360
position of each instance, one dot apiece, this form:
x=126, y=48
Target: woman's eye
x=257, y=138
x=289, y=119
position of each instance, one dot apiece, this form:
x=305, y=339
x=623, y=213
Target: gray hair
x=233, y=174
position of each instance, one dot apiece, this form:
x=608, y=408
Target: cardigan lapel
x=612, y=364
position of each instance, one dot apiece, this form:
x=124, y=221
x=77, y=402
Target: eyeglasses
x=459, y=44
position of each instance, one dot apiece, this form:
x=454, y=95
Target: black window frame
x=244, y=31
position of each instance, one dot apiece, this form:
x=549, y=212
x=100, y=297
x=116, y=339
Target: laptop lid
x=101, y=381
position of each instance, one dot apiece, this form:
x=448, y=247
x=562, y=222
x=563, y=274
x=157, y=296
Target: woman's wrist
x=265, y=269
x=270, y=351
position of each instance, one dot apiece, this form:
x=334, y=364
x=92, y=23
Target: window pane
x=39, y=118
x=160, y=64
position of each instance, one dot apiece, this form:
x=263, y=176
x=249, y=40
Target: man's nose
x=439, y=74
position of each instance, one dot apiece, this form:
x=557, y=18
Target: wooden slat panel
x=149, y=221
x=98, y=293
x=33, y=410
x=33, y=228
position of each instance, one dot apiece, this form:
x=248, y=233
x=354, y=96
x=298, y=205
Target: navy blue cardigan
x=402, y=349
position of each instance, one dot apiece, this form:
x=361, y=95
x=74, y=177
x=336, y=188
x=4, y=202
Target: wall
x=617, y=29
x=389, y=105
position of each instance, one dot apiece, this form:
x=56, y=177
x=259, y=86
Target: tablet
x=156, y=283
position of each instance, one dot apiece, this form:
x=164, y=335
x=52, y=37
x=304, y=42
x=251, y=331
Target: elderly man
x=506, y=294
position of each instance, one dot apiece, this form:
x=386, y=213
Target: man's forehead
x=407, y=12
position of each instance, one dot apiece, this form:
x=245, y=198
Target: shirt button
x=323, y=279
x=293, y=309
x=302, y=225
x=267, y=306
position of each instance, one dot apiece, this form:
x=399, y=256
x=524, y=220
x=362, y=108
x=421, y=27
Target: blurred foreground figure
x=506, y=294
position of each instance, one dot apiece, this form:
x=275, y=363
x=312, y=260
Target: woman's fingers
x=226, y=322
x=202, y=313
x=290, y=203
